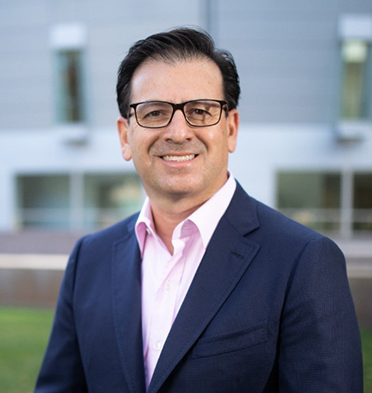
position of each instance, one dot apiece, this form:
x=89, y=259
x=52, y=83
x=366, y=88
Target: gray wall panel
x=286, y=52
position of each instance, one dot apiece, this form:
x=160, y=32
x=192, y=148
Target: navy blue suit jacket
x=269, y=310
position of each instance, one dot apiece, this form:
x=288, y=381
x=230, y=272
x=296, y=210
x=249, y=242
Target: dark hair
x=175, y=45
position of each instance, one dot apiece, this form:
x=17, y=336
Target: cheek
x=218, y=143
x=136, y=156
x=140, y=148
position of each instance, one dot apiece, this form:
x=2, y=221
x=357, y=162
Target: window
x=43, y=201
x=311, y=198
x=69, y=86
x=355, y=31
x=362, y=204
x=67, y=42
x=356, y=80
x=108, y=198
x=337, y=203
x=76, y=201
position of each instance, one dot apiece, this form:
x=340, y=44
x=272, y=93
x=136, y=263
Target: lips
x=184, y=158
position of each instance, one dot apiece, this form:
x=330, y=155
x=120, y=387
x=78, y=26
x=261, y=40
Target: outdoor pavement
x=37, y=242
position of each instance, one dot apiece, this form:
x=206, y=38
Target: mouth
x=184, y=158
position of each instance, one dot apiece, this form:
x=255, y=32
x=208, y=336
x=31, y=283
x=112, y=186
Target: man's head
x=175, y=123
x=173, y=46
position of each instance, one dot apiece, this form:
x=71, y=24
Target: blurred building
x=305, y=143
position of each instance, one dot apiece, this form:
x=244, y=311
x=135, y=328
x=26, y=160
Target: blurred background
x=305, y=142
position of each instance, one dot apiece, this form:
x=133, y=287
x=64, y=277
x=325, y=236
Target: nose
x=178, y=130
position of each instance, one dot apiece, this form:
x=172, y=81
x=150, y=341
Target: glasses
x=159, y=114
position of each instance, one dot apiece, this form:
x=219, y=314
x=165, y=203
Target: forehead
x=176, y=82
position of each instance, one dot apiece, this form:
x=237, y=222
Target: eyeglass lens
x=197, y=113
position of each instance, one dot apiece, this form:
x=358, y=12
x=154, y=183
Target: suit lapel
x=126, y=296
x=227, y=258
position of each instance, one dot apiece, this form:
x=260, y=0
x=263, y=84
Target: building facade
x=305, y=142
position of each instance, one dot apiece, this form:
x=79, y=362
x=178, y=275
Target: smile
x=179, y=158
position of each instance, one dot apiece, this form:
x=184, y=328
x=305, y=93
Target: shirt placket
x=165, y=299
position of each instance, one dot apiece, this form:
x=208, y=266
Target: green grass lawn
x=24, y=334
x=23, y=337
x=367, y=360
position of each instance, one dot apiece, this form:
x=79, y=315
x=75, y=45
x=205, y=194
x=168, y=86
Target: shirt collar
x=205, y=218
x=144, y=224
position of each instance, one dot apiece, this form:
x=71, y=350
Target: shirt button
x=157, y=345
x=168, y=285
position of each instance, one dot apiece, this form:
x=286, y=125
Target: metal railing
x=345, y=223
x=70, y=219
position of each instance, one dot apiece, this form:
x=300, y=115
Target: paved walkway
x=34, y=242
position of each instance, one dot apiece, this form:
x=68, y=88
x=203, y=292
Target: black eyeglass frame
x=180, y=106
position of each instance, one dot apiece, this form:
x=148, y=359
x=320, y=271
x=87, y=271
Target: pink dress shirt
x=166, y=278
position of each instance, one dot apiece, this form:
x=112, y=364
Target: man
x=206, y=290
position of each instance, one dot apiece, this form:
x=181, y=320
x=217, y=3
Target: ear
x=122, y=125
x=233, y=126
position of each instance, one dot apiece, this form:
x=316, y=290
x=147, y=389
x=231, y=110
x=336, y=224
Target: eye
x=153, y=110
x=153, y=114
x=198, y=111
x=201, y=112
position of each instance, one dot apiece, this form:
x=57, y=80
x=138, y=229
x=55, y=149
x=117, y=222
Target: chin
x=178, y=191
x=181, y=189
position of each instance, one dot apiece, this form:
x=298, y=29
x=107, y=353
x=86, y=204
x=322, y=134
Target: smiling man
x=206, y=289
x=184, y=163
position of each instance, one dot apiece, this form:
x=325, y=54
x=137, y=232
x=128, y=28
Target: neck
x=169, y=210
x=167, y=216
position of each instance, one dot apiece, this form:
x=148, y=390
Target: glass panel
x=43, y=201
x=69, y=87
x=363, y=202
x=356, y=81
x=110, y=198
x=310, y=198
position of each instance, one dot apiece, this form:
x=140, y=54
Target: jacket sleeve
x=320, y=348
x=62, y=370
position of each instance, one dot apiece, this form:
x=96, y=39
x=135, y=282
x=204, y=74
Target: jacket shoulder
x=112, y=234
x=280, y=223
x=285, y=235
x=271, y=227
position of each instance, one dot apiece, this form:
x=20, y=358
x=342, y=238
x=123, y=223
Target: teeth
x=179, y=158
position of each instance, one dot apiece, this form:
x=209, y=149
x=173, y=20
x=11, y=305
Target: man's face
x=179, y=161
